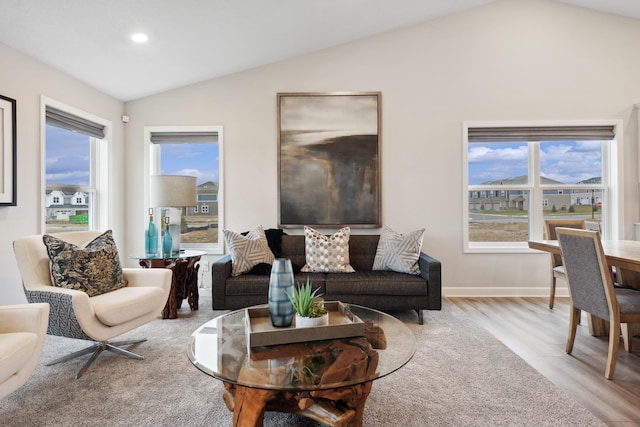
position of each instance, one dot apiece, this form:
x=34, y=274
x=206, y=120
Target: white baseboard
x=501, y=292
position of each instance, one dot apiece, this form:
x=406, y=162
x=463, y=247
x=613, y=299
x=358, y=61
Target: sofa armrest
x=24, y=318
x=220, y=272
x=431, y=271
x=157, y=277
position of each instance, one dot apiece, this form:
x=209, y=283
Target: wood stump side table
x=184, y=284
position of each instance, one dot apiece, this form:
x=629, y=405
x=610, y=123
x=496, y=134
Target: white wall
x=509, y=60
x=26, y=81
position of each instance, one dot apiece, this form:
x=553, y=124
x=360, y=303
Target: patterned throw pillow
x=327, y=254
x=399, y=252
x=94, y=269
x=247, y=251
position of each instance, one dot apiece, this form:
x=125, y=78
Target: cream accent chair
x=23, y=329
x=100, y=318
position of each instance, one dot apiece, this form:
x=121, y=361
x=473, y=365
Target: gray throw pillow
x=94, y=269
x=399, y=252
x=327, y=254
x=248, y=251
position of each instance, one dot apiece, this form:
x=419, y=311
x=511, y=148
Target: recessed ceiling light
x=139, y=37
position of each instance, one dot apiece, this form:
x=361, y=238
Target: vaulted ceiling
x=195, y=40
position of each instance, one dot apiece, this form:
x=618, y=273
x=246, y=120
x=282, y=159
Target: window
x=193, y=151
x=75, y=156
x=518, y=176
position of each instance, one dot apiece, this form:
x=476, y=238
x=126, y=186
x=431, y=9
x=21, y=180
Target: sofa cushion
x=123, y=305
x=374, y=283
x=362, y=250
x=293, y=249
x=399, y=252
x=15, y=349
x=327, y=254
x=94, y=269
x=249, y=284
x=247, y=251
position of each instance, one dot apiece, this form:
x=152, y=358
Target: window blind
x=65, y=120
x=182, y=137
x=541, y=133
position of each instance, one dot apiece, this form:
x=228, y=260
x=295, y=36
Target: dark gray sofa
x=382, y=290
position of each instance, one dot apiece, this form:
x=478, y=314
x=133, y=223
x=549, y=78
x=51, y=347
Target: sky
x=67, y=159
x=199, y=160
x=568, y=162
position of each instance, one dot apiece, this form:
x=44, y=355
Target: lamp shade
x=172, y=191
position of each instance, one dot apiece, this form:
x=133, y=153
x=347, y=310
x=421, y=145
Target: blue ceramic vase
x=281, y=283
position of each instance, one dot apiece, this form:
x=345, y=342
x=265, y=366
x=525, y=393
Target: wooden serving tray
x=260, y=332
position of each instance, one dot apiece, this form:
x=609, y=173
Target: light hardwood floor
x=538, y=335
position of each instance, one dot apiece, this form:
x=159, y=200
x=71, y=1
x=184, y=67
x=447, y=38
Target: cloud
x=489, y=153
x=565, y=161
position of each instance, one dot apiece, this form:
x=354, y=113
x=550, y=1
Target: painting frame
x=8, y=152
x=329, y=159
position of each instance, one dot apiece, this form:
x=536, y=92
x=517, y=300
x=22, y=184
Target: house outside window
x=193, y=151
x=518, y=176
x=76, y=163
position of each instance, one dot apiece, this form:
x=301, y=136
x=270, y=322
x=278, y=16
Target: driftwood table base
x=338, y=361
x=184, y=284
x=338, y=407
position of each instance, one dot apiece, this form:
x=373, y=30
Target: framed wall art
x=8, y=147
x=329, y=159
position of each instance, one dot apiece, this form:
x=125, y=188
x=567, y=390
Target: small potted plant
x=309, y=307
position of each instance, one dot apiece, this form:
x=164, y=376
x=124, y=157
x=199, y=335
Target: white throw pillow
x=247, y=251
x=399, y=252
x=327, y=254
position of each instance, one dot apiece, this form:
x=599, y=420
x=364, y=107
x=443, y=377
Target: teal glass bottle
x=151, y=236
x=167, y=241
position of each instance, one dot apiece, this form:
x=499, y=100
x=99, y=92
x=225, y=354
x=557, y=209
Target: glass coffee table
x=328, y=381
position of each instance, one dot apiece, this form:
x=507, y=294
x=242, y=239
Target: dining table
x=623, y=255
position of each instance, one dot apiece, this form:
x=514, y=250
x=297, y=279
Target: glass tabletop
x=182, y=254
x=219, y=348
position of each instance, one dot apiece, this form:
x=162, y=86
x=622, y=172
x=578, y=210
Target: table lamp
x=173, y=191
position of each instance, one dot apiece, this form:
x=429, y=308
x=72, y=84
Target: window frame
x=612, y=179
x=100, y=149
x=153, y=167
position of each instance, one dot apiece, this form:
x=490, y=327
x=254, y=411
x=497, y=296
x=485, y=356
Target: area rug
x=460, y=376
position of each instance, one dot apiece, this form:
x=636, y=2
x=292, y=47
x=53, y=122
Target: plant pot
x=310, y=322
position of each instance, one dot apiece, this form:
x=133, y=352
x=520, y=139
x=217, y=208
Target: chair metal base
x=96, y=349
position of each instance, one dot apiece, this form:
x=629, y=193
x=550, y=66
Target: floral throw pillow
x=327, y=254
x=247, y=251
x=94, y=269
x=399, y=252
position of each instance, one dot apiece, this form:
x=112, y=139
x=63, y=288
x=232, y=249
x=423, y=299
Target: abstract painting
x=329, y=159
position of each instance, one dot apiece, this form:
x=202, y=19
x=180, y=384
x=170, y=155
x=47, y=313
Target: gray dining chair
x=557, y=269
x=591, y=289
